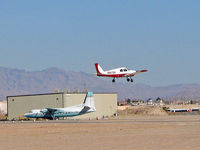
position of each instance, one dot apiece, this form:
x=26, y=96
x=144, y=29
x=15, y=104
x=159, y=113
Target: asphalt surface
x=107, y=121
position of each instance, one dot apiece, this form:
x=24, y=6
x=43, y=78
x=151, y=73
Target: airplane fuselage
x=60, y=112
x=118, y=73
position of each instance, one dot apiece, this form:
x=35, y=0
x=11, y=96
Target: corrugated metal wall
x=18, y=105
x=106, y=104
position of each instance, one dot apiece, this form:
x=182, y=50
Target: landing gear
x=53, y=117
x=113, y=80
x=129, y=79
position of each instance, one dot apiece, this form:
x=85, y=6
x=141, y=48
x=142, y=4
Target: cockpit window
x=125, y=69
x=121, y=70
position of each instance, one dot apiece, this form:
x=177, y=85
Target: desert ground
x=119, y=133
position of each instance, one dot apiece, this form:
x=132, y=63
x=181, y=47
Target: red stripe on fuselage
x=114, y=75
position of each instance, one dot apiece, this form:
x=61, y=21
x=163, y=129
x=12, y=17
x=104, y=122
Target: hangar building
x=105, y=103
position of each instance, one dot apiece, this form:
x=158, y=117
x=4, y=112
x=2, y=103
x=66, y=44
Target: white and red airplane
x=117, y=73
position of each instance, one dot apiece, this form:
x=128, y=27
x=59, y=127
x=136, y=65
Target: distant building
x=159, y=101
x=149, y=101
x=136, y=102
x=123, y=103
x=179, y=102
x=3, y=107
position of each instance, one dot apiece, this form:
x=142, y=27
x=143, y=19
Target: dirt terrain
x=142, y=110
x=121, y=133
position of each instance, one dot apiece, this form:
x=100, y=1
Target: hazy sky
x=161, y=36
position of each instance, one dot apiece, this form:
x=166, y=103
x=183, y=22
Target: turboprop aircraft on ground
x=117, y=73
x=53, y=113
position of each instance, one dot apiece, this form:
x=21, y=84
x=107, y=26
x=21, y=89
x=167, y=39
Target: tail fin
x=98, y=69
x=89, y=101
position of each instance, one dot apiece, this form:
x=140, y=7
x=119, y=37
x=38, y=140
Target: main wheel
x=131, y=80
x=113, y=80
x=128, y=79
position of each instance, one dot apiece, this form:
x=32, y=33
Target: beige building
x=105, y=103
x=3, y=107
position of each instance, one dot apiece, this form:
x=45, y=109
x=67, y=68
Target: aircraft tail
x=89, y=101
x=98, y=69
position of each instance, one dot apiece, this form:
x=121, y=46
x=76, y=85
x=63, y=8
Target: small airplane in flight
x=54, y=113
x=117, y=73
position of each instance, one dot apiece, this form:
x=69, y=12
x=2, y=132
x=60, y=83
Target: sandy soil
x=123, y=133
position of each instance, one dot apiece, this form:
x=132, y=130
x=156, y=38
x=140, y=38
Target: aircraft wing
x=140, y=71
x=137, y=72
x=51, y=110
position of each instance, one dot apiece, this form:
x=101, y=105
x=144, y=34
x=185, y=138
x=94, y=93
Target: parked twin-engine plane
x=117, y=73
x=53, y=113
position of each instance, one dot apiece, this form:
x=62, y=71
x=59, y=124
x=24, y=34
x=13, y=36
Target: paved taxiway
x=136, y=119
x=121, y=133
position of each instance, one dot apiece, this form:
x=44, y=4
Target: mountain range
x=19, y=82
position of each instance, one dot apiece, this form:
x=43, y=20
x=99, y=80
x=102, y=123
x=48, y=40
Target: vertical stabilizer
x=89, y=101
x=98, y=69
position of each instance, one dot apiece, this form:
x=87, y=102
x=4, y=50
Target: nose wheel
x=113, y=80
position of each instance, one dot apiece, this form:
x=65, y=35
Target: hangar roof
x=60, y=93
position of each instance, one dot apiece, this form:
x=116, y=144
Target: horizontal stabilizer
x=84, y=110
